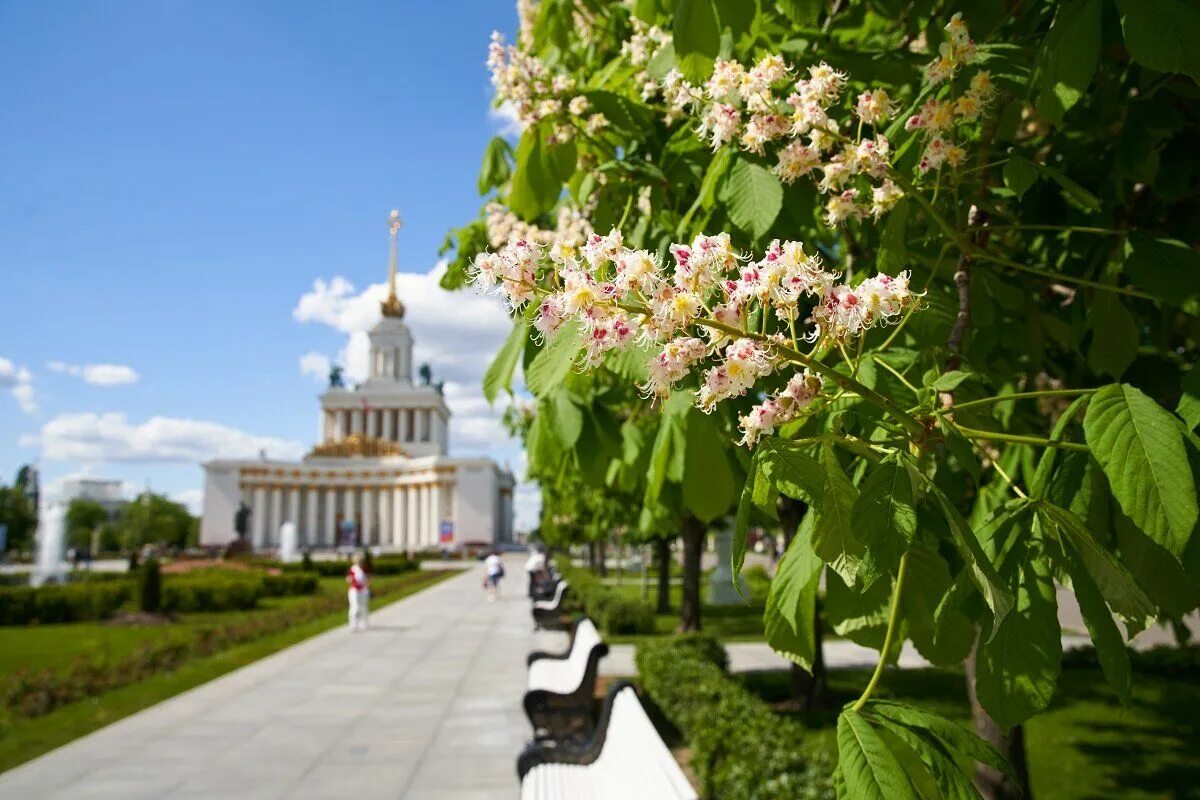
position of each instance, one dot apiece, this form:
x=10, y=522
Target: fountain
x=51, y=533
x=287, y=542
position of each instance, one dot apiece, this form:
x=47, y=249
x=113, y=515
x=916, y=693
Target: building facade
x=380, y=475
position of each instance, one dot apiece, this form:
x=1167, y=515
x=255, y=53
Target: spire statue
x=392, y=307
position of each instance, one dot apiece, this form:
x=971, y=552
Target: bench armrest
x=544, y=751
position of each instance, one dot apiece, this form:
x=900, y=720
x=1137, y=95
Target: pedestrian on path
x=495, y=571
x=535, y=569
x=359, y=593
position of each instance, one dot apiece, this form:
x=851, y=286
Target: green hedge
x=614, y=612
x=381, y=565
x=72, y=602
x=741, y=750
x=209, y=593
x=289, y=584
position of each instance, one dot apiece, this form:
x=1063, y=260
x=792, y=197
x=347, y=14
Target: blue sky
x=176, y=177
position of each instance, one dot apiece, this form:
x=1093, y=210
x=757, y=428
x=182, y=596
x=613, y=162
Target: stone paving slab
x=425, y=705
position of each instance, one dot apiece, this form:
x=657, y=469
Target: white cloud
x=192, y=498
x=315, y=364
x=94, y=438
x=19, y=382
x=506, y=120
x=97, y=374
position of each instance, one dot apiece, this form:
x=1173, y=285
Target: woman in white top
x=359, y=593
x=495, y=571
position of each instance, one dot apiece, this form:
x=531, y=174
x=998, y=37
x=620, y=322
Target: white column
x=402, y=419
x=328, y=534
x=412, y=539
x=276, y=516
x=397, y=517
x=311, y=526
x=426, y=513
x=258, y=517
x=368, y=516
x=347, y=422
x=349, y=509
x=388, y=432
x=436, y=513
x=356, y=420
x=293, y=513
x=385, y=516
x=370, y=423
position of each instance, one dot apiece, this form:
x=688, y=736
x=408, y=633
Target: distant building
x=380, y=476
x=106, y=492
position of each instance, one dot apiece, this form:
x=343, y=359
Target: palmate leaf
x=1162, y=34
x=983, y=574
x=1068, y=58
x=541, y=169
x=1156, y=570
x=553, y=362
x=791, y=470
x=1110, y=645
x=884, y=520
x=496, y=167
x=1141, y=448
x=753, y=196
x=1018, y=668
x=950, y=781
x=708, y=481
x=833, y=534
x=1168, y=269
x=861, y=617
x=500, y=372
x=869, y=769
x=945, y=640
x=790, y=616
x=953, y=736
x=697, y=38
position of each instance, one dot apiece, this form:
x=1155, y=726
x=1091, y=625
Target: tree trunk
x=693, y=547
x=662, y=553
x=601, y=564
x=991, y=783
x=808, y=689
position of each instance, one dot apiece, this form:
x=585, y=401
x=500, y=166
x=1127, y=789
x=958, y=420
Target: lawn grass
x=1084, y=747
x=22, y=739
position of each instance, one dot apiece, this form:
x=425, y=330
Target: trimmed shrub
x=74, y=602
x=616, y=613
x=306, y=563
x=384, y=565
x=741, y=750
x=210, y=593
x=288, y=584
x=150, y=587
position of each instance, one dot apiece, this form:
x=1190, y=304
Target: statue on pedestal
x=335, y=377
x=241, y=521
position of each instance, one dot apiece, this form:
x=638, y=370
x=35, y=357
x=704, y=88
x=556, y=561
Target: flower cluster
x=770, y=108
x=693, y=312
x=536, y=92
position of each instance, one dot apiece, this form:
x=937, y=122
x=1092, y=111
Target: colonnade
x=391, y=424
x=403, y=516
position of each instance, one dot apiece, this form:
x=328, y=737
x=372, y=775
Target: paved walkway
x=426, y=706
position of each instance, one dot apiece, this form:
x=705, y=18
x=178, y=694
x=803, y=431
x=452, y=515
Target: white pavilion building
x=380, y=477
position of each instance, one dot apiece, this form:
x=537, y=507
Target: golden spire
x=392, y=307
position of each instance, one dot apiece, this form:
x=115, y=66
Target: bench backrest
x=558, y=592
x=586, y=638
x=635, y=762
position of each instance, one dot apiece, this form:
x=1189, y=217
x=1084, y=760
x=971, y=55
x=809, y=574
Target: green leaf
x=792, y=471
x=956, y=738
x=790, y=616
x=1112, y=579
x=708, y=480
x=893, y=243
x=1068, y=58
x=1110, y=646
x=833, y=535
x=1019, y=175
x=753, y=195
x=623, y=113
x=944, y=640
x=1162, y=34
x=1071, y=190
x=542, y=169
x=567, y=417
x=1189, y=402
x=500, y=372
x=870, y=770
x=1141, y=448
x=496, y=168
x=1017, y=670
x=861, y=617
x=1168, y=269
x=1156, y=570
x=741, y=524
x=884, y=520
x=982, y=573
x=960, y=448
x=553, y=362
x=697, y=38
x=714, y=175
x=949, y=381
x=1115, y=335
x=801, y=12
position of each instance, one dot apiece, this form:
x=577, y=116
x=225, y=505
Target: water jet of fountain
x=51, y=534
x=287, y=542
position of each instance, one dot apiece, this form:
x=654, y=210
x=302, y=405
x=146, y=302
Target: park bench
x=560, y=687
x=625, y=759
x=548, y=614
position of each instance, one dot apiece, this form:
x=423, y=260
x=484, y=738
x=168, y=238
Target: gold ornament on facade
x=357, y=446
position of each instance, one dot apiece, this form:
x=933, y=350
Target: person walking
x=495, y=571
x=359, y=593
x=535, y=569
